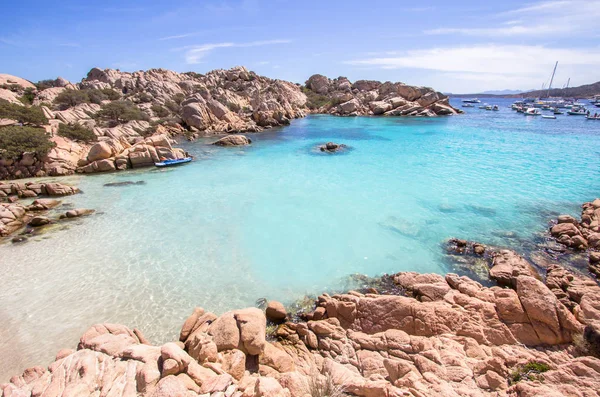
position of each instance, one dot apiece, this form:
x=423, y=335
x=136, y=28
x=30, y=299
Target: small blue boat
x=168, y=163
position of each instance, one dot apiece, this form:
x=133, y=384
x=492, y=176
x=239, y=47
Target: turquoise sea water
x=280, y=220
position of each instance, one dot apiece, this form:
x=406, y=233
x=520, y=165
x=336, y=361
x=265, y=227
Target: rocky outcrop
x=234, y=100
x=363, y=97
x=233, y=140
x=14, y=215
x=9, y=80
x=118, y=154
x=221, y=101
x=581, y=235
x=449, y=336
x=33, y=189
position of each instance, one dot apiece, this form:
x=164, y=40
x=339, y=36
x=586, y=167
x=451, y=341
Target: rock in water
x=77, y=213
x=331, y=147
x=39, y=221
x=275, y=311
x=233, y=140
x=124, y=183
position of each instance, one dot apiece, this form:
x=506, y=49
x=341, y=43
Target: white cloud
x=262, y=63
x=195, y=54
x=554, y=19
x=494, y=66
x=178, y=36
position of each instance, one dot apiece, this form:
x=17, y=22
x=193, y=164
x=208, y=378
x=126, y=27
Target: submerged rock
x=77, y=213
x=124, y=183
x=233, y=140
x=331, y=147
x=37, y=221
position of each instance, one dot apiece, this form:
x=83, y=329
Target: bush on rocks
x=531, y=371
x=23, y=114
x=15, y=140
x=97, y=96
x=121, y=112
x=77, y=132
x=160, y=111
x=70, y=98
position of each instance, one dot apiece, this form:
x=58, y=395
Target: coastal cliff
x=115, y=120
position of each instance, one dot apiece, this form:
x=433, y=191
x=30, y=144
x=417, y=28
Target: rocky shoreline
x=131, y=118
x=526, y=333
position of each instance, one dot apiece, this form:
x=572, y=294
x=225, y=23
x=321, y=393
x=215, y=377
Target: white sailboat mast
x=552, y=79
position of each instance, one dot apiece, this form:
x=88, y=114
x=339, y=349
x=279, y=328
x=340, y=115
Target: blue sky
x=458, y=46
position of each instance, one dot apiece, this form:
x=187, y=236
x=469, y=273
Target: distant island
x=582, y=91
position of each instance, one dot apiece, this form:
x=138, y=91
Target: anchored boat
x=169, y=163
x=472, y=100
x=577, y=111
x=533, y=112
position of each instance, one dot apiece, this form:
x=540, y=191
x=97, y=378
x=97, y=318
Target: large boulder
x=233, y=140
x=318, y=83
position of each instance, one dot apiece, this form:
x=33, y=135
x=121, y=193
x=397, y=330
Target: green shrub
x=70, y=98
x=315, y=101
x=530, y=371
x=144, y=97
x=234, y=107
x=121, y=112
x=194, y=75
x=77, y=132
x=178, y=98
x=23, y=114
x=172, y=106
x=11, y=87
x=43, y=84
x=111, y=94
x=15, y=140
x=159, y=111
x=28, y=96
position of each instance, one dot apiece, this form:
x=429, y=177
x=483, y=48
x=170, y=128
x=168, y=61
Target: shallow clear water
x=279, y=219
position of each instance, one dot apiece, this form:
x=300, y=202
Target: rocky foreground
x=530, y=334
x=158, y=104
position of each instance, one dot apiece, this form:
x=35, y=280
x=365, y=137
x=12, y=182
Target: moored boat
x=468, y=105
x=471, y=100
x=495, y=108
x=577, y=111
x=533, y=112
x=547, y=116
x=169, y=163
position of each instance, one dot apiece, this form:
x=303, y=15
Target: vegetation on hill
x=531, y=371
x=77, y=132
x=315, y=101
x=15, y=140
x=121, y=112
x=70, y=98
x=23, y=114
